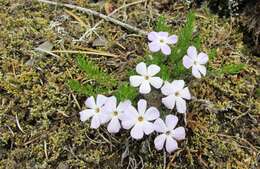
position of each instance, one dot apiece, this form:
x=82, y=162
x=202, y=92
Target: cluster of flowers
x=145, y=120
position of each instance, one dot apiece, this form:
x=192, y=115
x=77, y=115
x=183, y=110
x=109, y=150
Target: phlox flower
x=176, y=93
x=140, y=121
x=95, y=109
x=146, y=78
x=115, y=112
x=196, y=61
x=169, y=133
x=161, y=41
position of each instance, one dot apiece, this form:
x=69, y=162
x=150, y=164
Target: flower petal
x=171, y=145
x=151, y=114
x=192, y=52
x=187, y=62
x=141, y=68
x=179, y=133
x=148, y=127
x=156, y=82
x=178, y=84
x=128, y=117
x=104, y=117
x=203, y=58
x=202, y=69
x=171, y=121
x=167, y=88
x=145, y=87
x=95, y=122
x=165, y=49
x=86, y=114
x=136, y=80
x=159, y=141
x=154, y=46
x=110, y=104
x=195, y=72
x=90, y=102
x=122, y=106
x=141, y=106
x=172, y=39
x=137, y=131
x=152, y=36
x=101, y=100
x=169, y=101
x=127, y=124
x=181, y=105
x=129, y=113
x=153, y=70
x=163, y=34
x=185, y=93
x=114, y=126
x=159, y=125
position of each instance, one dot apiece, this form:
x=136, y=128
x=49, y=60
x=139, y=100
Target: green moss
x=221, y=122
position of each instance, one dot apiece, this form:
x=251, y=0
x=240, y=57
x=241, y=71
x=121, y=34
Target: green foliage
x=197, y=42
x=231, y=69
x=161, y=25
x=185, y=37
x=257, y=92
x=165, y=72
x=94, y=72
x=212, y=54
x=87, y=89
x=125, y=91
x=103, y=82
x=156, y=58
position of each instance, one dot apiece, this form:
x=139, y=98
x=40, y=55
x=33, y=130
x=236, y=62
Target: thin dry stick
x=112, y=13
x=77, y=18
x=45, y=149
x=18, y=124
x=86, y=52
x=91, y=12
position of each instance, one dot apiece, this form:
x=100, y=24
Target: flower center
x=115, y=113
x=177, y=94
x=140, y=118
x=168, y=133
x=97, y=110
x=195, y=62
x=161, y=41
x=146, y=77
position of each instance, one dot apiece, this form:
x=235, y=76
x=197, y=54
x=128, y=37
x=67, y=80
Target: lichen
x=222, y=121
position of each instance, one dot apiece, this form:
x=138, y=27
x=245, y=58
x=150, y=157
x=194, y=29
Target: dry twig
x=91, y=12
x=112, y=13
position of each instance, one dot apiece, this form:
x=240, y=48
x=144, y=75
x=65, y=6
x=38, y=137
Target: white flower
x=196, y=61
x=115, y=112
x=169, y=134
x=146, y=78
x=176, y=93
x=96, y=111
x=160, y=41
x=141, y=119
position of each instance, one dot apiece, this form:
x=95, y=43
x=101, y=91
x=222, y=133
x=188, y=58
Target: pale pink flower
x=146, y=78
x=196, y=61
x=140, y=121
x=95, y=109
x=176, y=94
x=169, y=133
x=161, y=41
x=115, y=112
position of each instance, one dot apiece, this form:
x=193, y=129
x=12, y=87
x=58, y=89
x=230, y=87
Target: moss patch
x=39, y=121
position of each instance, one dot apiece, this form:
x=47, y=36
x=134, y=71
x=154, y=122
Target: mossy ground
x=39, y=120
